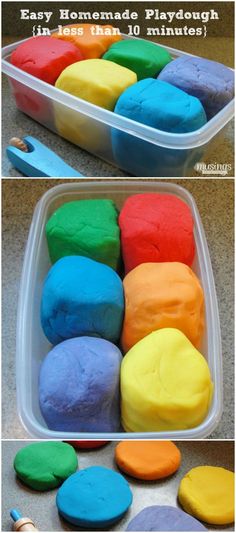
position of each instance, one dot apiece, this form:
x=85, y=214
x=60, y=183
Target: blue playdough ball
x=163, y=518
x=79, y=386
x=94, y=497
x=164, y=107
x=81, y=297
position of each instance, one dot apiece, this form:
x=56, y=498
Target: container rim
x=30, y=423
x=154, y=136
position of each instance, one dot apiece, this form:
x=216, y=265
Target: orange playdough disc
x=91, y=46
x=148, y=460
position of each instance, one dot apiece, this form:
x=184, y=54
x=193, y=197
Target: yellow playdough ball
x=207, y=492
x=165, y=384
x=99, y=82
x=162, y=295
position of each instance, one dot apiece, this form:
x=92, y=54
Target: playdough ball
x=156, y=228
x=162, y=295
x=45, y=58
x=85, y=227
x=161, y=105
x=94, y=497
x=81, y=297
x=143, y=57
x=211, y=82
x=164, y=107
x=87, y=443
x=79, y=386
x=148, y=459
x=98, y=81
x=88, y=38
x=207, y=492
x=45, y=465
x=164, y=518
x=165, y=384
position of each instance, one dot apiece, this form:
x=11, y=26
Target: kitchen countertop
x=215, y=201
x=41, y=507
x=16, y=123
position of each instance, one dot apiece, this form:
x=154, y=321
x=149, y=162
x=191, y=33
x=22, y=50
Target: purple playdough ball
x=211, y=82
x=79, y=386
x=164, y=518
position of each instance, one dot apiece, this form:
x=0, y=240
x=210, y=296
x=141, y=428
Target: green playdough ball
x=45, y=465
x=145, y=58
x=85, y=227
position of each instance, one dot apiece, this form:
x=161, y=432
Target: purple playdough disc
x=164, y=518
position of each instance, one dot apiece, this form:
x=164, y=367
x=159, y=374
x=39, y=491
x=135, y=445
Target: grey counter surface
x=215, y=201
x=41, y=506
x=16, y=123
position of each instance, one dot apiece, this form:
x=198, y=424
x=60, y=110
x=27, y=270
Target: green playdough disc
x=85, y=227
x=145, y=58
x=45, y=465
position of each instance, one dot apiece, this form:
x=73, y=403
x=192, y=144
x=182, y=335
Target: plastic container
x=32, y=345
x=91, y=127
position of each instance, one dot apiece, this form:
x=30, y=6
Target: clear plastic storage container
x=154, y=152
x=32, y=345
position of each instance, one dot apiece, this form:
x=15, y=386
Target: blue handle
x=15, y=514
x=40, y=161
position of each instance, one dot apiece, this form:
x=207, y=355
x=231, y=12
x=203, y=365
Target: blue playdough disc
x=163, y=518
x=94, y=497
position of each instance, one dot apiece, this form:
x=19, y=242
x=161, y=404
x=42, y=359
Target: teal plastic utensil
x=39, y=161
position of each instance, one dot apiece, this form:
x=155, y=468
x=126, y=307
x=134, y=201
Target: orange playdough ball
x=148, y=459
x=91, y=46
x=162, y=295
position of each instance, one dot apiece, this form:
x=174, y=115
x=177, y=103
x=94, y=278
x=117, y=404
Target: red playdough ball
x=156, y=228
x=87, y=443
x=45, y=58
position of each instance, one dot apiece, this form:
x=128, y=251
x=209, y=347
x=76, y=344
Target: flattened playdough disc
x=148, y=459
x=164, y=518
x=45, y=465
x=94, y=497
x=207, y=492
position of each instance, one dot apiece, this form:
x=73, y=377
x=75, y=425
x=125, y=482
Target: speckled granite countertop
x=16, y=123
x=41, y=506
x=215, y=201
